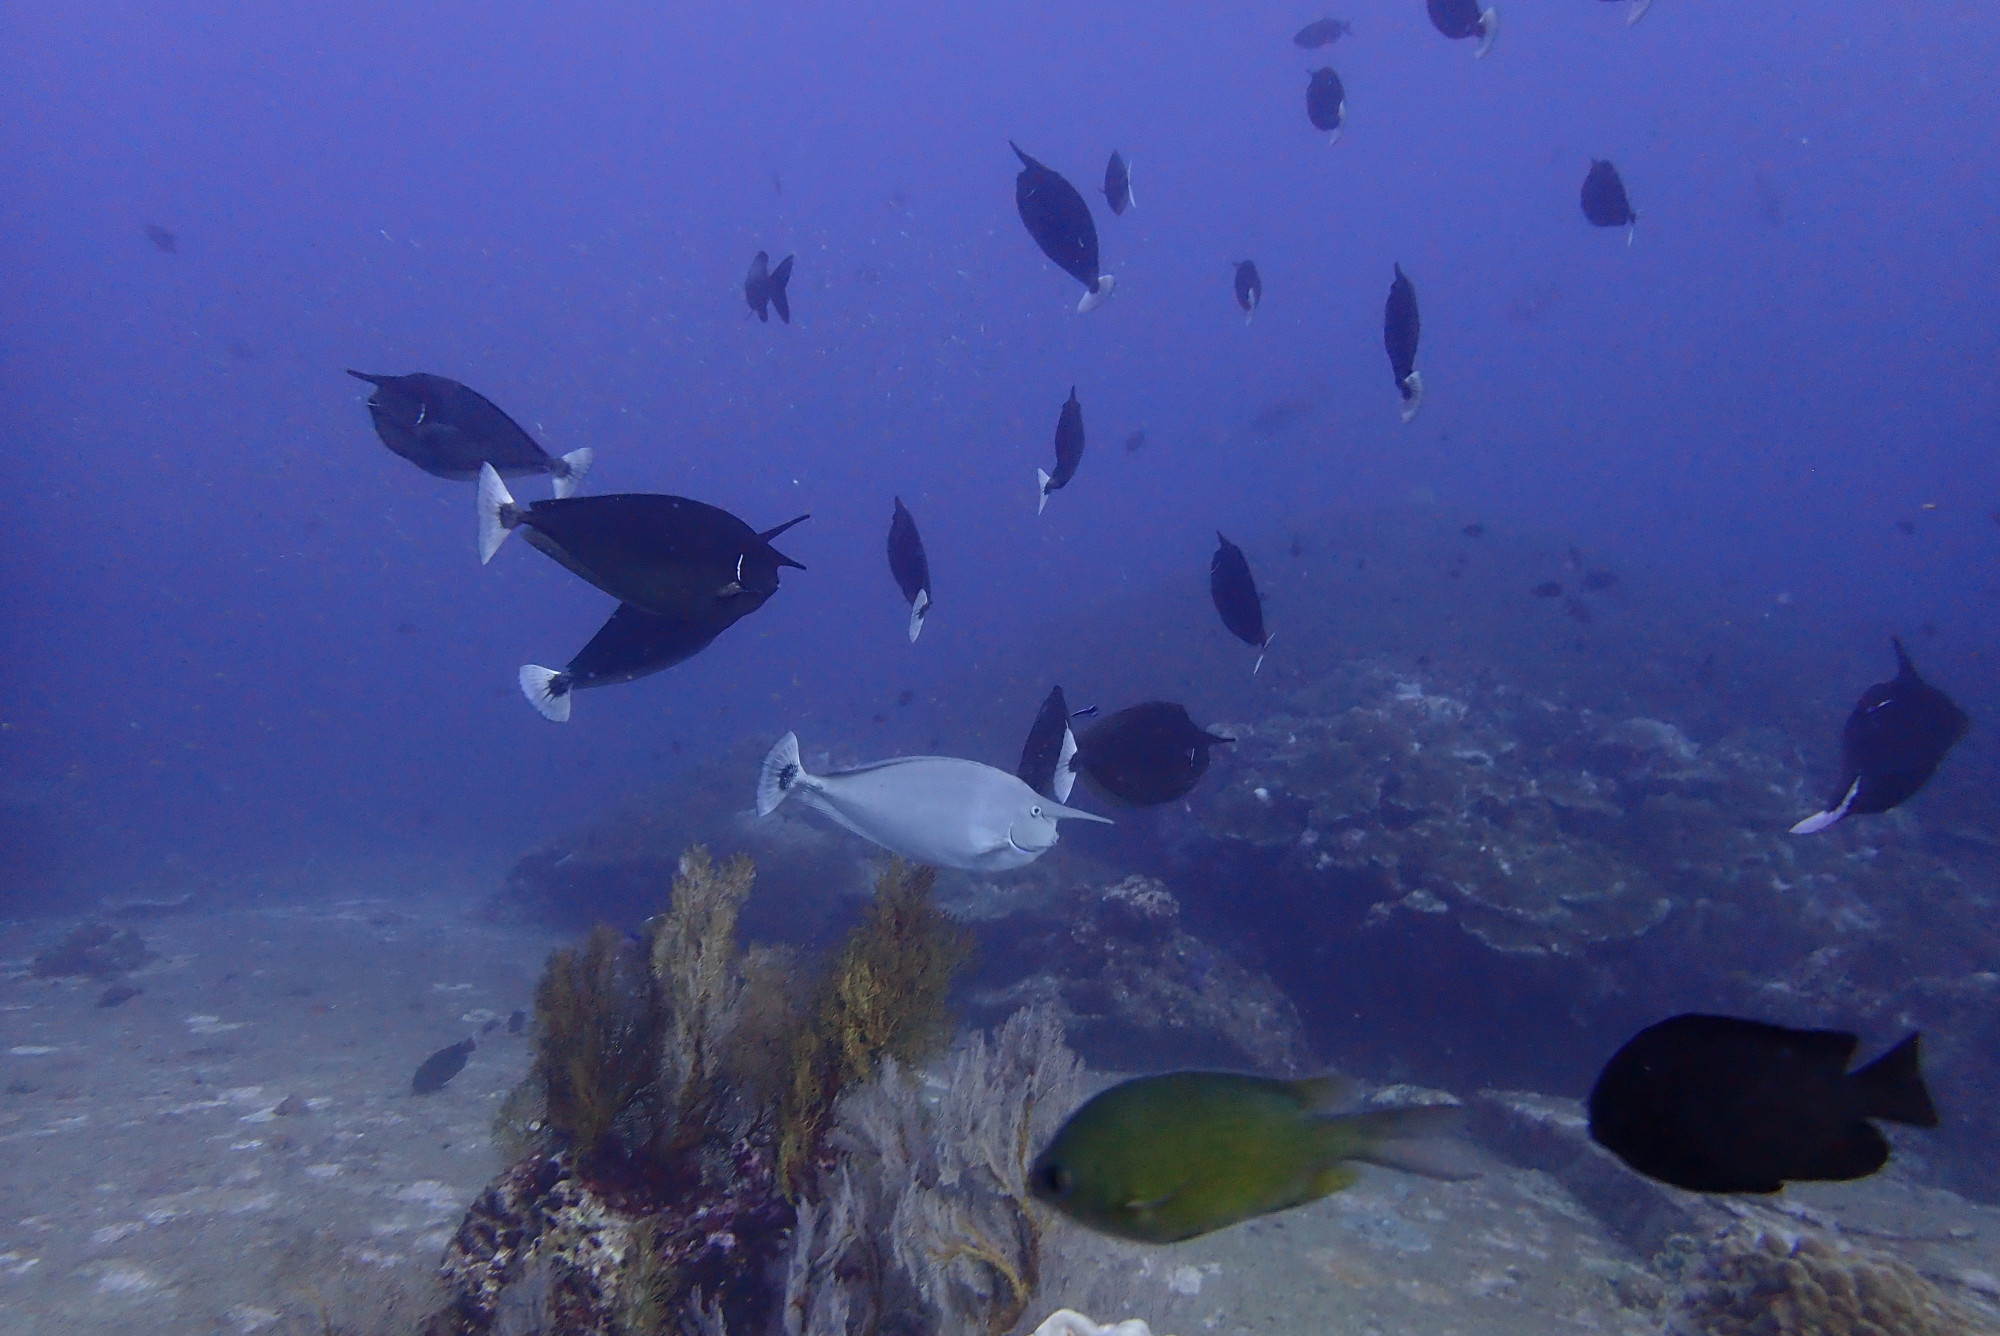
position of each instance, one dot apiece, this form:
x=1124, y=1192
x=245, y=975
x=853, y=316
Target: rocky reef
x=1772, y=1283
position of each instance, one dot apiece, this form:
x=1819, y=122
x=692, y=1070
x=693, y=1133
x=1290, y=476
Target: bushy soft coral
x=599, y=1025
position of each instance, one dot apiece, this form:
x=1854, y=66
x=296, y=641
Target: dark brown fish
x=438, y=1069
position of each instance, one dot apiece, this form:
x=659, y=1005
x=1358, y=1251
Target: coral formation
x=696, y=969
x=94, y=951
x=599, y=1026
x=1759, y=1283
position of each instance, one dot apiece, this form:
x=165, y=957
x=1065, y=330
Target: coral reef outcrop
x=1766, y=1283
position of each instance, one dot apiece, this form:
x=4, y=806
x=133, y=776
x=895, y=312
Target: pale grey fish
x=939, y=810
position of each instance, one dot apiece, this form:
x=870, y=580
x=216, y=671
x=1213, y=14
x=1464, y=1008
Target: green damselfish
x=1164, y=1158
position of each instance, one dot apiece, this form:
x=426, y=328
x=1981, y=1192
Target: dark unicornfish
x=1144, y=755
x=1464, y=18
x=1717, y=1104
x=1636, y=12
x=668, y=555
x=1234, y=590
x=633, y=644
x=764, y=287
x=163, y=239
x=1400, y=328
x=1326, y=103
x=1249, y=288
x=1893, y=743
x=1059, y=221
x=1118, y=183
x=1045, y=755
x=438, y=1069
x=1322, y=32
x=1604, y=201
x=910, y=566
x=1069, y=451
x=449, y=430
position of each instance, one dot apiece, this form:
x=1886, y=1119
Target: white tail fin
x=1637, y=12
x=1813, y=825
x=1262, y=650
x=547, y=690
x=495, y=503
x=1489, y=28
x=579, y=462
x=1094, y=299
x=1041, y=490
x=918, y=610
x=781, y=773
x=1414, y=383
x=1132, y=200
x=1065, y=778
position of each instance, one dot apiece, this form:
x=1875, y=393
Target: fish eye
x=1054, y=1180
x=1034, y=811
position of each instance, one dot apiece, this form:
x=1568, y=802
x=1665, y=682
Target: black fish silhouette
x=1893, y=743
x=1400, y=328
x=1059, y=221
x=1604, y=201
x=910, y=566
x=163, y=239
x=1718, y=1104
x=1045, y=755
x=1249, y=288
x=764, y=287
x=1144, y=755
x=1136, y=441
x=1326, y=102
x=1322, y=32
x=667, y=555
x=1234, y=591
x=448, y=430
x=438, y=1069
x=1464, y=18
x=631, y=645
x=1118, y=183
x=1069, y=451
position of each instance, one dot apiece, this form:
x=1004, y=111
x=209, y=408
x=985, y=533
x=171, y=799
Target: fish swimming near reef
x=1234, y=592
x=1060, y=222
x=1401, y=328
x=1720, y=1104
x=1145, y=755
x=764, y=287
x=667, y=555
x=1249, y=288
x=1326, y=103
x=1045, y=755
x=1069, y=452
x=451, y=431
x=910, y=566
x=1458, y=19
x=1118, y=184
x=939, y=810
x=1896, y=737
x=1322, y=32
x=632, y=644
x=1163, y=1158
x=437, y=1070
x=1604, y=200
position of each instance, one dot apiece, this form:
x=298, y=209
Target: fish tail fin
x=1413, y=1140
x=1413, y=394
x=1489, y=28
x=1637, y=12
x=1819, y=821
x=1041, y=490
x=1097, y=296
x=779, y=278
x=1892, y=1087
x=1131, y=200
x=547, y=690
x=1333, y=137
x=920, y=607
x=372, y=380
x=1064, y=782
x=497, y=512
x=575, y=465
x=781, y=773
x=1262, y=650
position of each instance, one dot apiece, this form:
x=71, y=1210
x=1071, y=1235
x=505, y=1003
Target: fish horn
x=497, y=513
x=372, y=380
x=575, y=465
x=547, y=690
x=1064, y=813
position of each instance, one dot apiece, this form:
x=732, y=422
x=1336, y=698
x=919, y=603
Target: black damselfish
x=1060, y=222
x=1118, y=183
x=437, y=1070
x=1326, y=103
x=449, y=430
x=1249, y=288
x=632, y=644
x=1604, y=200
x=1894, y=741
x=1234, y=590
x=910, y=566
x=1145, y=755
x=1718, y=1104
x=1464, y=18
x=1400, y=329
x=764, y=287
x=1069, y=451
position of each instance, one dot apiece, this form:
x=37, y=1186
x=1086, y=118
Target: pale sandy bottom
x=147, y=1183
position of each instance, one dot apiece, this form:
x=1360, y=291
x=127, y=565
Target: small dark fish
x=1548, y=589
x=1604, y=202
x=163, y=239
x=1464, y=18
x=1907, y=527
x=490, y=1026
x=632, y=644
x=517, y=1021
x=1059, y=221
x=1322, y=32
x=1894, y=741
x=450, y=431
x=438, y=1069
x=1718, y=1104
x=1118, y=184
x=406, y=628
x=1069, y=452
x=1135, y=442
x=1045, y=755
x=1400, y=328
x=117, y=995
x=904, y=697
x=777, y=184
x=1249, y=288
x=764, y=287
x=910, y=566
x=1474, y=530
x=1578, y=610
x=1298, y=548
x=1234, y=592
x=1145, y=755
x=1599, y=579
x=1326, y=103
x=1929, y=629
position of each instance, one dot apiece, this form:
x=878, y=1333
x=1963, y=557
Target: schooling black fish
x=1322, y=32
x=1400, y=329
x=1059, y=221
x=1464, y=18
x=668, y=555
x=1234, y=591
x=1894, y=741
x=449, y=431
x=1069, y=452
x=910, y=566
x=1144, y=755
x=1249, y=288
x=438, y=1069
x=1604, y=200
x=1045, y=755
x=1118, y=184
x=764, y=287
x=162, y=239
x=1718, y=1104
x=1326, y=103
x=632, y=644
